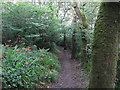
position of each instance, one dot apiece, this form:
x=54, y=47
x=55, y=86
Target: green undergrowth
x=24, y=67
x=87, y=66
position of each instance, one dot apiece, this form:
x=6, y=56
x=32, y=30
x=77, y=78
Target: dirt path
x=70, y=75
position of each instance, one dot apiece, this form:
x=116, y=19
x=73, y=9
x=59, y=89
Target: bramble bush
x=24, y=67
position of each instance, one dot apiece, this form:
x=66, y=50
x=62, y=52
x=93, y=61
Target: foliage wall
x=35, y=24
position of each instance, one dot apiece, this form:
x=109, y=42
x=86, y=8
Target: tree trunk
x=74, y=44
x=105, y=47
x=83, y=46
x=118, y=63
x=64, y=41
x=83, y=21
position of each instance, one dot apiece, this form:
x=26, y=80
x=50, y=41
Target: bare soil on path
x=71, y=74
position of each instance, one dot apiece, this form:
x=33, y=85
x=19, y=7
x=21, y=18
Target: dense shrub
x=30, y=23
x=23, y=67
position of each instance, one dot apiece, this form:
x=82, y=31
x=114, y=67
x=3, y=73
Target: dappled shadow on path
x=71, y=74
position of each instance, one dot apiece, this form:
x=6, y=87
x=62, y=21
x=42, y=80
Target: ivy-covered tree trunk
x=74, y=32
x=83, y=22
x=105, y=47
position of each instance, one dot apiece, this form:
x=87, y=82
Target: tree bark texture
x=105, y=47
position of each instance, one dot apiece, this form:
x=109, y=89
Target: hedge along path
x=71, y=74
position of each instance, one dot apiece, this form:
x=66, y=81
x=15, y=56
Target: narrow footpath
x=71, y=74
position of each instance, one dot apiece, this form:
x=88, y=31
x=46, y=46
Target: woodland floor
x=71, y=74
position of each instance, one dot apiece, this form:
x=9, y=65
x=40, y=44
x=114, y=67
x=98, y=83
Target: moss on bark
x=105, y=47
x=80, y=15
x=83, y=20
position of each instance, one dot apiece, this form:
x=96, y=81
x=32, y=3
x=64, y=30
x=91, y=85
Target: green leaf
x=18, y=64
x=32, y=35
